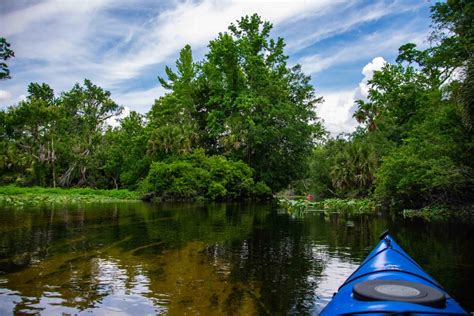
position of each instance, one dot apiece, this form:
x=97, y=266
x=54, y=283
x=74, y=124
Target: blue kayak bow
x=390, y=282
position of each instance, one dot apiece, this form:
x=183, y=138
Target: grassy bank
x=18, y=196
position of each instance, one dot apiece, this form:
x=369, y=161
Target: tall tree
x=174, y=117
x=86, y=110
x=242, y=101
x=124, y=152
x=32, y=129
x=259, y=109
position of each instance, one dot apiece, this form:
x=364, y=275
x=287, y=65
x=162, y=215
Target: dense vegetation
x=233, y=125
x=415, y=145
x=242, y=123
x=197, y=175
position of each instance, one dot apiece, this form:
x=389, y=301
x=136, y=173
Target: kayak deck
x=389, y=281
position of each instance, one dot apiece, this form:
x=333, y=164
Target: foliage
x=242, y=101
x=415, y=142
x=428, y=167
x=348, y=206
x=124, y=153
x=251, y=113
x=196, y=175
x=5, y=53
x=353, y=169
x=52, y=141
x=18, y=196
x=341, y=167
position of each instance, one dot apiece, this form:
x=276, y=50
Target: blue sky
x=124, y=45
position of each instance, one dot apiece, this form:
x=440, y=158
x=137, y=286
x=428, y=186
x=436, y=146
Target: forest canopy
x=242, y=122
x=414, y=146
x=242, y=105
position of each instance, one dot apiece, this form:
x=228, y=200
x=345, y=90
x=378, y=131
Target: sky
x=124, y=45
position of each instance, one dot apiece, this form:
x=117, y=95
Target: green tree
x=259, y=110
x=353, y=170
x=196, y=175
x=174, y=117
x=433, y=165
x=124, y=152
x=5, y=54
x=241, y=101
x=418, y=108
x=31, y=127
x=85, y=112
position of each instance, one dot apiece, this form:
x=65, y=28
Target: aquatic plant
x=19, y=196
x=349, y=206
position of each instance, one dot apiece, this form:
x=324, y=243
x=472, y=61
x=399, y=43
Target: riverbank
x=16, y=196
x=300, y=205
x=435, y=213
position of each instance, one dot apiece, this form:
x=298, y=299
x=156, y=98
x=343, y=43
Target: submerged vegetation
x=241, y=123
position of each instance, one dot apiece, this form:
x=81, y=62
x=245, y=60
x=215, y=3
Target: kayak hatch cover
x=389, y=281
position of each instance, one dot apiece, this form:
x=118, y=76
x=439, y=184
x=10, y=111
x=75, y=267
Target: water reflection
x=212, y=259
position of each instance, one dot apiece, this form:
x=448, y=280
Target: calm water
x=211, y=259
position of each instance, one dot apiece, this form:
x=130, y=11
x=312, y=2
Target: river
x=212, y=259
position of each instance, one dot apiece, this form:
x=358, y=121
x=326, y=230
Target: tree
x=124, y=152
x=5, y=54
x=32, y=130
x=241, y=101
x=85, y=112
x=353, y=168
x=259, y=110
x=419, y=107
x=174, y=117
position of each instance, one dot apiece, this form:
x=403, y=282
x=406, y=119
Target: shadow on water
x=138, y=258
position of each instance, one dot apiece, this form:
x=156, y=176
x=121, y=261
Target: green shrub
x=216, y=191
x=196, y=175
x=262, y=190
x=409, y=179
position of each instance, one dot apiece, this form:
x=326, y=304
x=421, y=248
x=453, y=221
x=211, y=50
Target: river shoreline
x=16, y=196
x=366, y=206
x=12, y=195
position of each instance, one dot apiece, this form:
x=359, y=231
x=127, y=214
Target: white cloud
x=62, y=42
x=362, y=90
x=335, y=111
x=31, y=17
x=5, y=95
x=196, y=23
x=338, y=107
